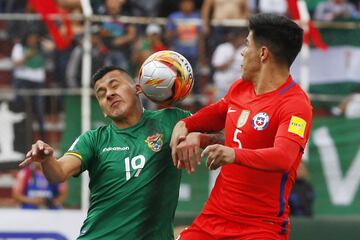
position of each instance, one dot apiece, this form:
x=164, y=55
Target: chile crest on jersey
x=260, y=121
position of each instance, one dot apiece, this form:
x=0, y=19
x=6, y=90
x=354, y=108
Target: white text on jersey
x=108, y=149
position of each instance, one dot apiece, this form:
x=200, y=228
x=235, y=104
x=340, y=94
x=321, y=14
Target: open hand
x=218, y=155
x=40, y=152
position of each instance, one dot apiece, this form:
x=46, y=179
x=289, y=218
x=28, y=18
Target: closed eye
x=100, y=93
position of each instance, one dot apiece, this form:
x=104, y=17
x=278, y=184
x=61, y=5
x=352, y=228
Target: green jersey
x=134, y=186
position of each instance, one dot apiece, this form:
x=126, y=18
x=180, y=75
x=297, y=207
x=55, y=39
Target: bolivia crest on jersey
x=155, y=142
x=260, y=121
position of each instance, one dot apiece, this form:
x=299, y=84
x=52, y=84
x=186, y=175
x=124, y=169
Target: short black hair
x=281, y=35
x=101, y=72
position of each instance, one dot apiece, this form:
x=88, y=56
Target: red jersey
x=242, y=193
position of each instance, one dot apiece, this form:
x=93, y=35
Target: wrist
x=182, y=125
x=237, y=156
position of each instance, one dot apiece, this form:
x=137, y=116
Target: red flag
x=313, y=33
x=47, y=7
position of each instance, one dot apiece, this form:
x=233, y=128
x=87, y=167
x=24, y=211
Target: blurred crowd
x=213, y=50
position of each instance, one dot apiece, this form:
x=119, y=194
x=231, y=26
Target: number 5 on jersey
x=136, y=164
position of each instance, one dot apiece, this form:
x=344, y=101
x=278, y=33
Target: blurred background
x=50, y=48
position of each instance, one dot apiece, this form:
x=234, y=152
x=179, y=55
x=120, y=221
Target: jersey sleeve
x=208, y=119
x=281, y=157
x=211, y=118
x=295, y=121
x=83, y=148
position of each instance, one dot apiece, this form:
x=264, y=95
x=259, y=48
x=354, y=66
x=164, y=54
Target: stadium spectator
x=29, y=73
x=145, y=8
x=18, y=29
x=349, y=107
x=221, y=10
x=227, y=60
x=267, y=119
x=332, y=10
x=74, y=65
x=149, y=44
x=69, y=3
x=13, y=6
x=62, y=56
x=134, y=186
x=302, y=194
x=183, y=33
x=273, y=6
x=33, y=191
x=117, y=35
x=356, y=13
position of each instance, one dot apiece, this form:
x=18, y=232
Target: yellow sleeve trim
x=297, y=126
x=74, y=154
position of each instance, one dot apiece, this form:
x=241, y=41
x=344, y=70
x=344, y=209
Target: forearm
x=210, y=139
x=53, y=171
x=279, y=158
x=128, y=38
x=208, y=119
x=21, y=198
x=205, y=11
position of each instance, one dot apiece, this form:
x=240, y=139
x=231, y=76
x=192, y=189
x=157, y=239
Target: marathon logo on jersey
x=108, y=149
x=297, y=126
x=155, y=142
x=260, y=121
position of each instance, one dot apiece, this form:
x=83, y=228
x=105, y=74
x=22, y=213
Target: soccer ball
x=166, y=77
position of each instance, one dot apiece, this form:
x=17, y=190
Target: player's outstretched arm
x=279, y=158
x=188, y=151
x=55, y=170
x=178, y=135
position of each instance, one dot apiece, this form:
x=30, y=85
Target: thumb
x=180, y=139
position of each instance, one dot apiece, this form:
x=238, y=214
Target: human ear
x=138, y=89
x=264, y=54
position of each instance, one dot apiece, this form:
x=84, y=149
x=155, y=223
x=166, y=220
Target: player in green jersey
x=134, y=186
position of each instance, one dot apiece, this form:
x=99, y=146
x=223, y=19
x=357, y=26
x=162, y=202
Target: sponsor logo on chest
x=108, y=149
x=260, y=121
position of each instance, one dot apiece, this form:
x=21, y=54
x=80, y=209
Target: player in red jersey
x=267, y=119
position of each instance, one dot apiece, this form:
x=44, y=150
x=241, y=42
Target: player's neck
x=131, y=119
x=270, y=78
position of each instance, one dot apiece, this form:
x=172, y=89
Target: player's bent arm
x=279, y=158
x=59, y=170
x=210, y=139
x=209, y=119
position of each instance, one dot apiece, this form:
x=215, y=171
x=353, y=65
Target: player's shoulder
x=94, y=133
x=297, y=94
x=295, y=99
x=170, y=112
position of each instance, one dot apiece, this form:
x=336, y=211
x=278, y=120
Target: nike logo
x=230, y=110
